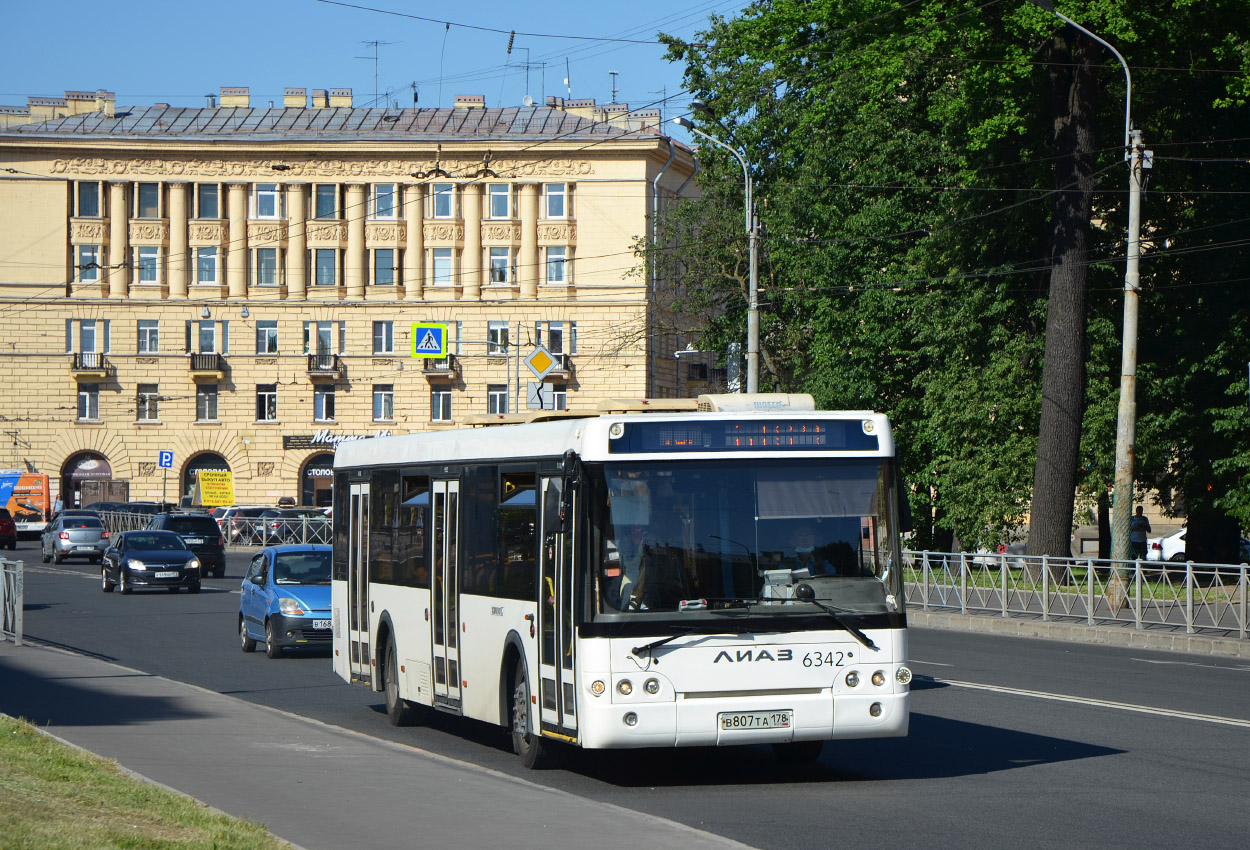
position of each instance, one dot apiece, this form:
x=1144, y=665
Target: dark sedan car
x=202, y=536
x=149, y=559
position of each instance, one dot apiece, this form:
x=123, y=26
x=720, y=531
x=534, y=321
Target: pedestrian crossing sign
x=429, y=340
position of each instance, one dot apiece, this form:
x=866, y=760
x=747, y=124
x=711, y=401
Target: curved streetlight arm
x=746, y=175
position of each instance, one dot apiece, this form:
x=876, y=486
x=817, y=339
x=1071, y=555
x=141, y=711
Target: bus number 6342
x=827, y=659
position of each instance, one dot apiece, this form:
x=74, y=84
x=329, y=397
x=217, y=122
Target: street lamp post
x=752, y=222
x=1126, y=423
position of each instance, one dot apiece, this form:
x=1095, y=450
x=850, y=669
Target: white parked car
x=1171, y=548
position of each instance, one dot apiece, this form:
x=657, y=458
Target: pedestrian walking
x=1138, y=531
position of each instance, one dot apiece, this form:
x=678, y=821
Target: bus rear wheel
x=398, y=710
x=533, y=750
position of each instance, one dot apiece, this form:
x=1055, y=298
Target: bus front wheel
x=398, y=710
x=534, y=752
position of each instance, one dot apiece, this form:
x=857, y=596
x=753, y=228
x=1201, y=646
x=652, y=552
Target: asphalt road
x=1013, y=742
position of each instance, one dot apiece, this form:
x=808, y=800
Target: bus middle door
x=557, y=693
x=444, y=594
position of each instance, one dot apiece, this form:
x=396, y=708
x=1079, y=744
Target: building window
x=323, y=404
x=89, y=401
x=148, y=200
x=88, y=199
x=147, y=264
x=148, y=403
x=207, y=200
x=383, y=200
x=440, y=405
x=206, y=265
x=93, y=336
x=557, y=200
x=560, y=396
x=497, y=339
x=149, y=336
x=266, y=402
x=88, y=268
x=319, y=337
x=497, y=398
x=206, y=403
x=267, y=337
x=268, y=201
x=384, y=267
x=266, y=264
x=326, y=201
x=325, y=267
x=500, y=265
x=208, y=337
x=557, y=258
x=557, y=337
x=441, y=267
x=383, y=337
x=499, y=204
x=383, y=402
x=442, y=200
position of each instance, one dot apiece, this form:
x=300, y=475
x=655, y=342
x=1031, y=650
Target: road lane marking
x=1097, y=703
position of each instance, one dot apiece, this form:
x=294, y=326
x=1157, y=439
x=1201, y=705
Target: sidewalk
x=317, y=786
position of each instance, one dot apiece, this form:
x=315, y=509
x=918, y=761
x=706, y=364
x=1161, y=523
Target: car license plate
x=321, y=624
x=756, y=719
x=194, y=541
x=84, y=548
x=167, y=574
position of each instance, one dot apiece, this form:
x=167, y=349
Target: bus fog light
x=903, y=675
x=875, y=709
x=631, y=719
x=597, y=687
x=878, y=678
x=652, y=686
x=625, y=687
x=852, y=679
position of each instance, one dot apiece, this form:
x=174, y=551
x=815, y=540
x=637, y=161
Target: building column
x=471, y=259
x=236, y=248
x=354, y=265
x=529, y=240
x=179, y=253
x=297, y=240
x=118, y=272
x=414, y=253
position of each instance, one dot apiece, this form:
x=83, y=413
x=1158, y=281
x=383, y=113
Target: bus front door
x=557, y=692
x=444, y=593
x=358, y=585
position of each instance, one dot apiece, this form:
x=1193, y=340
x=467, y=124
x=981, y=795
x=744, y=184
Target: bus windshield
x=719, y=536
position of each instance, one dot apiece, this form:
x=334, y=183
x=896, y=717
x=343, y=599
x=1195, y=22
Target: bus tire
x=533, y=750
x=798, y=752
x=398, y=710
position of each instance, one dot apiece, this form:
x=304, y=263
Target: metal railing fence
x=12, y=591
x=239, y=532
x=1211, y=598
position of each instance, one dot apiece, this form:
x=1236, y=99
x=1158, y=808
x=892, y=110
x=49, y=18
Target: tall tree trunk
x=1074, y=96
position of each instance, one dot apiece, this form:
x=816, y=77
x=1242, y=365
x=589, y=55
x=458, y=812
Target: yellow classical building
x=244, y=288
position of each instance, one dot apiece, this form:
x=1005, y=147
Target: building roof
x=327, y=124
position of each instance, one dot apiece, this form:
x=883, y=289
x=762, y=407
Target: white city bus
x=631, y=579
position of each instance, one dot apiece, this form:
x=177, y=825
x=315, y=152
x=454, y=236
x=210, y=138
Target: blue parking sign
x=165, y=460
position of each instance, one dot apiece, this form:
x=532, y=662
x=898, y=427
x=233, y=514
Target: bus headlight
x=878, y=678
x=902, y=675
x=597, y=687
x=652, y=686
x=624, y=687
x=852, y=679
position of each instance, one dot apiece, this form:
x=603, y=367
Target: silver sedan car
x=74, y=537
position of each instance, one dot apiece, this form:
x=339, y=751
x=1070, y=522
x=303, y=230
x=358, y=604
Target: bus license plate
x=167, y=575
x=756, y=719
x=321, y=624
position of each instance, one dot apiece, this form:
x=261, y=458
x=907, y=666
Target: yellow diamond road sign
x=540, y=362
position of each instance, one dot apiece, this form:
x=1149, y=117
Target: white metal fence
x=11, y=593
x=1206, y=598
x=240, y=532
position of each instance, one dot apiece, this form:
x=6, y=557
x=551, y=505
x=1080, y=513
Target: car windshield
x=302, y=568
x=156, y=541
x=701, y=538
x=192, y=525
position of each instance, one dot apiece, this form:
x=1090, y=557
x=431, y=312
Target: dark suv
x=202, y=536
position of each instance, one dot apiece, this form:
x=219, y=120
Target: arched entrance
x=316, y=480
x=84, y=466
x=207, y=460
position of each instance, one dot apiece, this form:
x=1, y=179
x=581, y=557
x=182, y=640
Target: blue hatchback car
x=285, y=599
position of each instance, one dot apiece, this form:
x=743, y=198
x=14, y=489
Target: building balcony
x=325, y=367
x=562, y=369
x=90, y=367
x=441, y=368
x=208, y=367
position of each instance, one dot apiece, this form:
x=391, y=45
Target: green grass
x=55, y=797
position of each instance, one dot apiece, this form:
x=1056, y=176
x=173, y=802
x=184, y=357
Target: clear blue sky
x=175, y=51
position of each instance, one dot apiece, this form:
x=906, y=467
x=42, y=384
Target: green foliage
x=903, y=159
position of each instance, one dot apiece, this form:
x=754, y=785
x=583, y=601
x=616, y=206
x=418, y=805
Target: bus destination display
x=708, y=436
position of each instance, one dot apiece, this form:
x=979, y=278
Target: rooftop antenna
x=567, y=77
x=375, y=45
x=415, y=94
x=613, y=75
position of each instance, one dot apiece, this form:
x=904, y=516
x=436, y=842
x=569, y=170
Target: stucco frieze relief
x=317, y=169
x=326, y=234
x=445, y=232
x=149, y=232
x=557, y=233
x=266, y=232
x=506, y=232
x=200, y=233
x=91, y=232
x=384, y=232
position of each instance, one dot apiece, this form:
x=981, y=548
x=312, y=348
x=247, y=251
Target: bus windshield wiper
x=639, y=650
x=807, y=594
